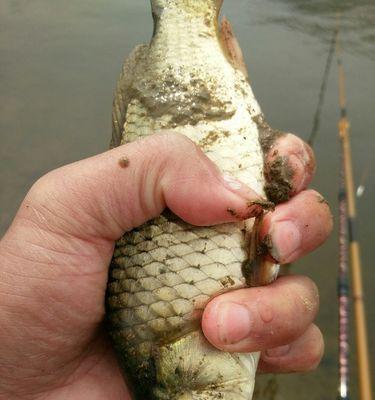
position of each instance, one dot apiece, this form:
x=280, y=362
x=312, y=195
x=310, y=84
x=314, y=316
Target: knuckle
x=168, y=149
x=170, y=140
x=42, y=188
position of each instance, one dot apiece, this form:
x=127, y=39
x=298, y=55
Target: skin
x=54, y=263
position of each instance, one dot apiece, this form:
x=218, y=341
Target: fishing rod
x=364, y=376
x=343, y=290
x=343, y=272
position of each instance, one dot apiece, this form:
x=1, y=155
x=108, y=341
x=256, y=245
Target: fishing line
x=362, y=183
x=323, y=89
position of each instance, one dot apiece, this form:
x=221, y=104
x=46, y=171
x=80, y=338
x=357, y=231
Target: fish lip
x=158, y=6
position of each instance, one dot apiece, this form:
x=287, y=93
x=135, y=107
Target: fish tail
x=192, y=369
x=233, y=390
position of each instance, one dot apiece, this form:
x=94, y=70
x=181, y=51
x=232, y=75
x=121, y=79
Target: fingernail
x=235, y=323
x=240, y=188
x=232, y=183
x=278, y=351
x=297, y=164
x=309, y=158
x=286, y=239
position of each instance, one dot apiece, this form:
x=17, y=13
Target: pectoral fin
x=258, y=270
x=232, y=47
x=122, y=95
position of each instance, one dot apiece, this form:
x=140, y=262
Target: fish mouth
x=195, y=7
x=200, y=12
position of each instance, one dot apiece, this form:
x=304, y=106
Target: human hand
x=54, y=264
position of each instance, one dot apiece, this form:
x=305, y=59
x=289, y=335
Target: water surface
x=59, y=62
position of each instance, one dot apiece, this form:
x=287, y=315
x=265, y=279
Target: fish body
x=165, y=272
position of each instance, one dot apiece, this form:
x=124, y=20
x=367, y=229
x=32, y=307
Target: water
x=59, y=63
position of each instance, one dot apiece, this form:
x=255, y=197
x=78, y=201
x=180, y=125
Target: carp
x=191, y=79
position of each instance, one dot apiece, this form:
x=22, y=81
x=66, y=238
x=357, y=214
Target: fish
x=191, y=79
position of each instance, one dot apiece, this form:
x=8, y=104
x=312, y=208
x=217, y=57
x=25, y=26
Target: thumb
x=108, y=194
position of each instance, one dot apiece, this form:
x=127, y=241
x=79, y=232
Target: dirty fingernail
x=239, y=188
x=297, y=165
x=302, y=173
x=278, y=351
x=235, y=323
x=286, y=239
x=295, y=162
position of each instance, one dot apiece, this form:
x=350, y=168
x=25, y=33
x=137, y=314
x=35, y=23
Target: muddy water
x=58, y=65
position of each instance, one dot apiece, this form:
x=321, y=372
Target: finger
x=302, y=355
x=122, y=188
x=297, y=227
x=289, y=167
x=257, y=319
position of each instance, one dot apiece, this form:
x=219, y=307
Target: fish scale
x=165, y=272
x=159, y=283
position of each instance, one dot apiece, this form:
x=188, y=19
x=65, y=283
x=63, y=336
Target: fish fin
x=219, y=4
x=259, y=270
x=190, y=368
x=232, y=47
x=122, y=95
